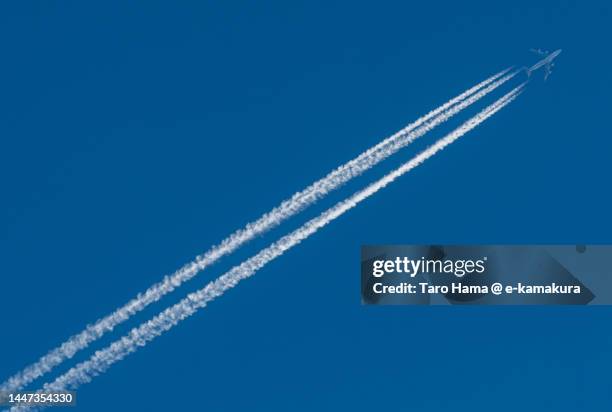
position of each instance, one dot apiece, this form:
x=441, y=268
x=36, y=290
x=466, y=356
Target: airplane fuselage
x=545, y=61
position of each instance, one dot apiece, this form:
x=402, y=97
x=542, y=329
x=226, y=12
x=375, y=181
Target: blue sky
x=136, y=136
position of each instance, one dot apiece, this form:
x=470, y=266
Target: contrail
x=285, y=210
x=141, y=335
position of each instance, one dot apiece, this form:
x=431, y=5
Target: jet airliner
x=546, y=62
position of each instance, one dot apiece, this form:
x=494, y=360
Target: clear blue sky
x=133, y=137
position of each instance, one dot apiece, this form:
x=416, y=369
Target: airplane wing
x=539, y=51
x=547, y=71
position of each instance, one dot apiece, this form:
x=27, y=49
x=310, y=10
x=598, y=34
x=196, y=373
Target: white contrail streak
x=141, y=335
x=286, y=209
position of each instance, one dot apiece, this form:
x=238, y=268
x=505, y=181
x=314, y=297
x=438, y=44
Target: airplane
x=546, y=62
